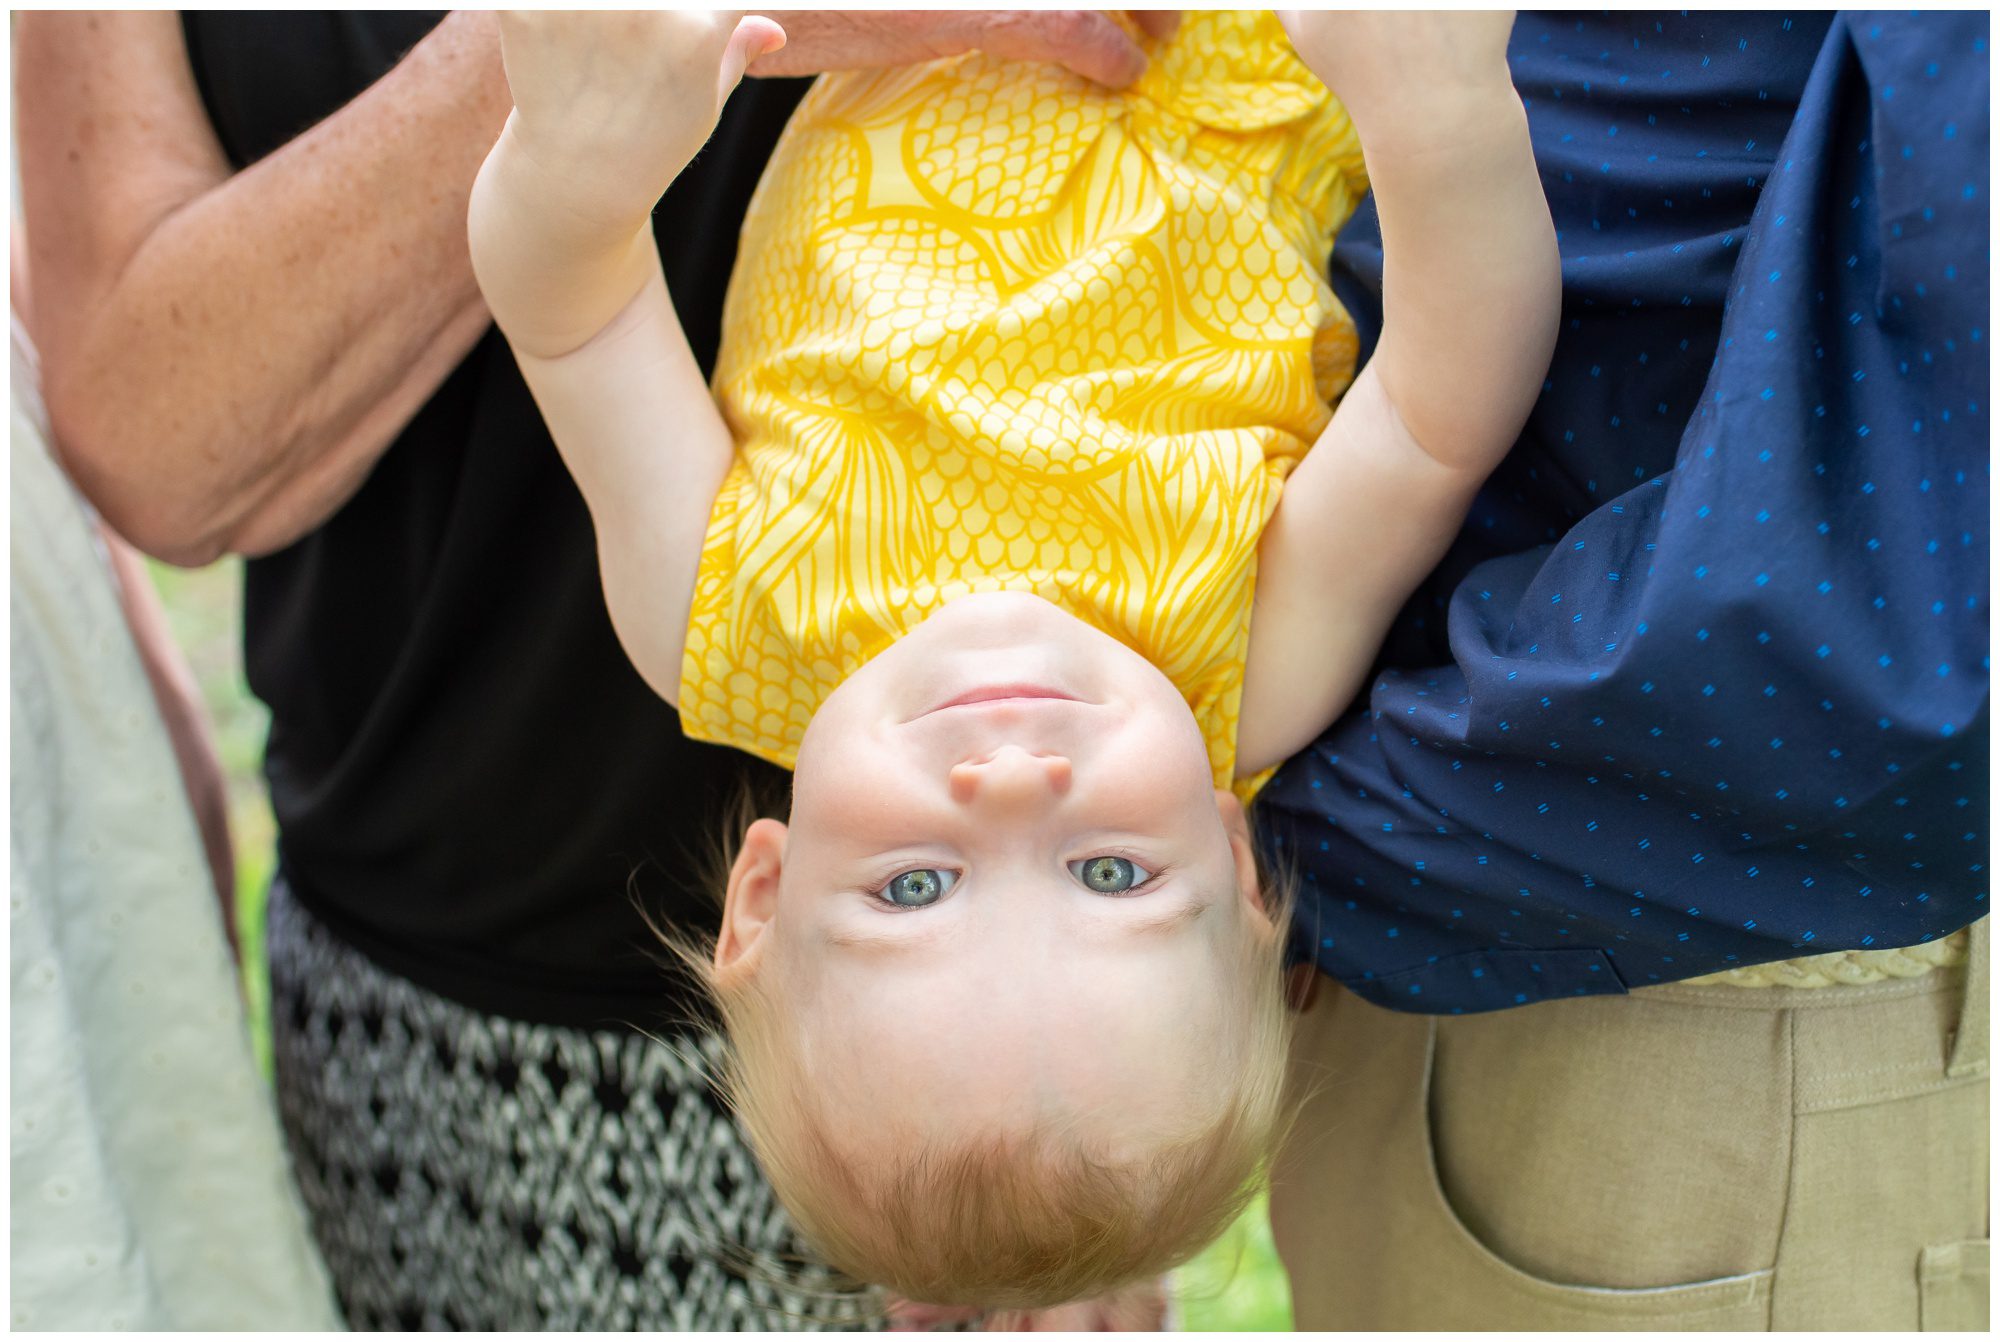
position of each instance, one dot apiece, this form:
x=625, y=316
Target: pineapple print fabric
x=996, y=328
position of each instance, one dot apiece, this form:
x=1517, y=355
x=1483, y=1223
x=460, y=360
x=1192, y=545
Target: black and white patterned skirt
x=468, y=1171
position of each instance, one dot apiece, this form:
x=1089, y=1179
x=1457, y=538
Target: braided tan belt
x=1848, y=967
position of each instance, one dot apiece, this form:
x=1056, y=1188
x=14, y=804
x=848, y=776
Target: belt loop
x=1969, y=1046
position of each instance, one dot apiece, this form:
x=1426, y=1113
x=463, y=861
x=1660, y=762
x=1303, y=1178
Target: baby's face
x=1008, y=892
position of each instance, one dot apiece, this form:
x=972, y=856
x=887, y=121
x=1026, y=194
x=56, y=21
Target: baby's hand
x=610, y=106
x=1400, y=70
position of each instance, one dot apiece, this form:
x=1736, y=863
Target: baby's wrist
x=552, y=275
x=560, y=205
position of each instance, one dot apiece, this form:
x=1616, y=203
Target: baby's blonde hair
x=1015, y=1221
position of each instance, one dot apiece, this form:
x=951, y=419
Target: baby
x=982, y=533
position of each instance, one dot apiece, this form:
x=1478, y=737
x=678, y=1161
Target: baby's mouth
x=997, y=694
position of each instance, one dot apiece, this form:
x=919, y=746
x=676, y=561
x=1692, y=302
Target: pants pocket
x=1620, y=1143
x=1567, y=1290
x=1953, y=1285
x=1372, y=1241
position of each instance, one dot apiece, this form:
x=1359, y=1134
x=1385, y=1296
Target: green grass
x=205, y=608
x=1236, y=1285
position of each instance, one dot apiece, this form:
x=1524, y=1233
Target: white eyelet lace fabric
x=149, y=1182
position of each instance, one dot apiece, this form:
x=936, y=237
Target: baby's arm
x=1471, y=290
x=609, y=108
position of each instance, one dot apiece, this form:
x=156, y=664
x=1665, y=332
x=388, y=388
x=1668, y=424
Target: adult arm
x=1089, y=42
x=167, y=671
x=184, y=716
x=1737, y=711
x=226, y=353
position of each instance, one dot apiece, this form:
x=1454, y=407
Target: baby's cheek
x=790, y=975
x=841, y=787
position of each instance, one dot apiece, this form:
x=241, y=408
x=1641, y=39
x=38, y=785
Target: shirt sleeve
x=1704, y=683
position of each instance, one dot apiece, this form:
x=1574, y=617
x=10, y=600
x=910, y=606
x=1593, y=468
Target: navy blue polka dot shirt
x=1703, y=682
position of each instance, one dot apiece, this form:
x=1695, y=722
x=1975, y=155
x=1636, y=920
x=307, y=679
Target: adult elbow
x=122, y=477
x=167, y=539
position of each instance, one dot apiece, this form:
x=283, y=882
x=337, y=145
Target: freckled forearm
x=270, y=336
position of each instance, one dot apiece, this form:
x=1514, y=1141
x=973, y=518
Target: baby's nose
x=1010, y=774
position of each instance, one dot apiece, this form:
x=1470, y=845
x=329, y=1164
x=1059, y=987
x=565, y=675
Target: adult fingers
x=1159, y=24
x=1139, y=1308
x=1090, y=43
x=908, y=1316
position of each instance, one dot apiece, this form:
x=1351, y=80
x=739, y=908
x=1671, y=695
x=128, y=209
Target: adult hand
x=1086, y=41
x=189, y=730
x=1139, y=1308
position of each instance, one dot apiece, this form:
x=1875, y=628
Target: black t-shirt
x=471, y=782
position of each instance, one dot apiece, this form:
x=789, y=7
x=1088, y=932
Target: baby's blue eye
x=1110, y=875
x=915, y=889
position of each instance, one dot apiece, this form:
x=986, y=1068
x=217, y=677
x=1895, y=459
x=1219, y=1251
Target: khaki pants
x=1680, y=1158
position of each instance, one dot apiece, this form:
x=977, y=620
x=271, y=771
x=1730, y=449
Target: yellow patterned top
x=996, y=328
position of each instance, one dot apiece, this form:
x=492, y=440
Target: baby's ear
x=751, y=901
x=1236, y=824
